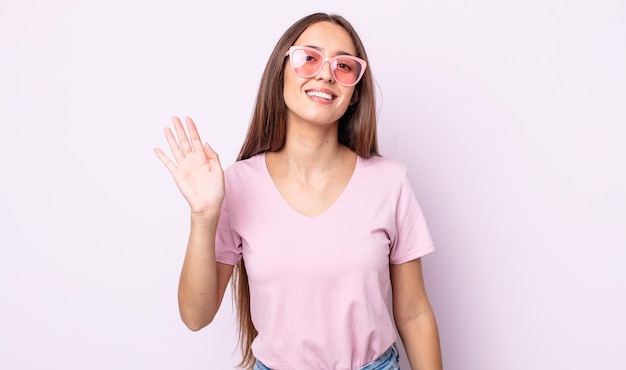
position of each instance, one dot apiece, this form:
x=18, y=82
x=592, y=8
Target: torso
x=319, y=286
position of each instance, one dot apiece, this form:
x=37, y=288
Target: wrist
x=205, y=217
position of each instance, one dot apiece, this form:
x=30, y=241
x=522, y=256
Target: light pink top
x=319, y=286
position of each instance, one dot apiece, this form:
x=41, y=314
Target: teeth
x=320, y=94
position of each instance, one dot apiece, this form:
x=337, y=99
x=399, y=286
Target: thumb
x=210, y=153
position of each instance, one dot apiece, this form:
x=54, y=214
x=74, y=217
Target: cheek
x=350, y=96
x=288, y=90
x=289, y=83
x=355, y=97
x=290, y=78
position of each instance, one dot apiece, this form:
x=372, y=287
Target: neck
x=312, y=141
x=311, y=148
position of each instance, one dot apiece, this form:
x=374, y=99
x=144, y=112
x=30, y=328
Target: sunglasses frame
x=332, y=61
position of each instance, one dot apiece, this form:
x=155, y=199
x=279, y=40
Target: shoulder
x=246, y=175
x=382, y=175
x=383, y=167
x=246, y=167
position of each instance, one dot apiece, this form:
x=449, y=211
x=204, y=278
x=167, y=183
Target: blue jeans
x=388, y=361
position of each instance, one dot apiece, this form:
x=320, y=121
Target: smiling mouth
x=319, y=94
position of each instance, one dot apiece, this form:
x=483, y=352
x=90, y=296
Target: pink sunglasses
x=306, y=62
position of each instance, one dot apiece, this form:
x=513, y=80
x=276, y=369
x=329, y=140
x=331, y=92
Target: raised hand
x=196, y=168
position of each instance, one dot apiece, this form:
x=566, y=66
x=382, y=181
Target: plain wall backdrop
x=509, y=115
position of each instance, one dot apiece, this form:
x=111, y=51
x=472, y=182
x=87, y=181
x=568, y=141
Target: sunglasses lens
x=307, y=62
x=347, y=71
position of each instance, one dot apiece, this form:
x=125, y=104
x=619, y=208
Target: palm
x=196, y=168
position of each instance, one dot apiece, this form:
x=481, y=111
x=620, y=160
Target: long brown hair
x=267, y=131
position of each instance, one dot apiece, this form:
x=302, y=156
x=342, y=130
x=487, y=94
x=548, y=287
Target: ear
x=355, y=97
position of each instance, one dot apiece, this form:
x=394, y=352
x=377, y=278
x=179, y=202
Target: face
x=319, y=99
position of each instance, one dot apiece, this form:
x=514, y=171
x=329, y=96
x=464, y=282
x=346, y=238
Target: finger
x=210, y=153
x=165, y=159
x=214, y=158
x=183, y=141
x=194, y=136
x=173, y=144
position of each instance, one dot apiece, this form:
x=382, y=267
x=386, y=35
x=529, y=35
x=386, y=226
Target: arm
x=203, y=281
x=199, y=176
x=414, y=316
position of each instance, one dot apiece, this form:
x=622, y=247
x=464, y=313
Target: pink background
x=509, y=115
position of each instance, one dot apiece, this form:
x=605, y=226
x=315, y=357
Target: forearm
x=420, y=338
x=198, y=286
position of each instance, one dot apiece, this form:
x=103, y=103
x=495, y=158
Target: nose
x=325, y=73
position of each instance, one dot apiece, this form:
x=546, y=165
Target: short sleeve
x=412, y=239
x=227, y=242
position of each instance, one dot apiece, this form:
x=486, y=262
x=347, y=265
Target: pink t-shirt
x=319, y=286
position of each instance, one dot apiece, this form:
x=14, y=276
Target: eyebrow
x=340, y=52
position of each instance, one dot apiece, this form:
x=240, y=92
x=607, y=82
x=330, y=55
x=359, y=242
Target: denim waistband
x=387, y=361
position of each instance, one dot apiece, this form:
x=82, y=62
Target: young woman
x=313, y=225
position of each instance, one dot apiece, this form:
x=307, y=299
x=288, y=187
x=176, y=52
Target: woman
x=325, y=226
